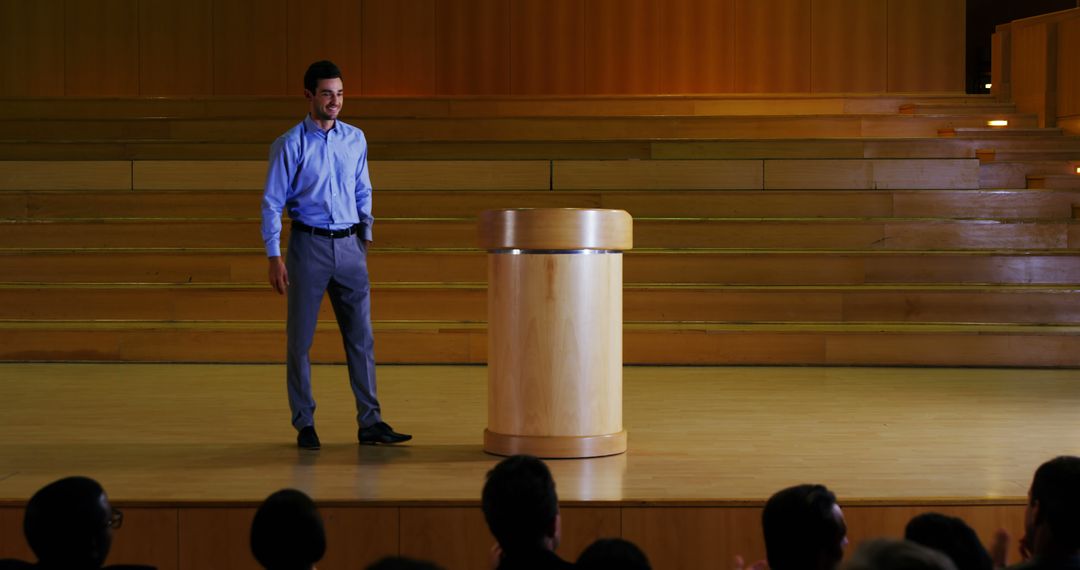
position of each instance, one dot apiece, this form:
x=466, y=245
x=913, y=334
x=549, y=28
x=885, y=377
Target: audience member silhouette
x=287, y=533
x=69, y=525
x=613, y=554
x=1052, y=519
x=892, y=554
x=952, y=537
x=804, y=529
x=522, y=510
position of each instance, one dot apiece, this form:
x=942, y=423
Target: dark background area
x=983, y=16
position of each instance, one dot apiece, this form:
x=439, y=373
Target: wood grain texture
x=474, y=47
x=848, y=46
x=682, y=538
x=214, y=538
x=176, y=47
x=149, y=536
x=771, y=39
x=399, y=49
x=622, y=46
x=1030, y=68
x=697, y=46
x=325, y=30
x=101, y=48
x=71, y=175
x=250, y=47
x=547, y=47
x=926, y=45
x=356, y=537
x=1068, y=68
x=657, y=175
x=31, y=48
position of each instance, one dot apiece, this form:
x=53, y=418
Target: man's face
x=327, y=99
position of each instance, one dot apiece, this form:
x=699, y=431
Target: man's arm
x=277, y=183
x=363, y=193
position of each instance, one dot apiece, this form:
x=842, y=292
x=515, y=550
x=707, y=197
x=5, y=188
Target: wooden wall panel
x=149, y=536
x=358, y=536
x=456, y=538
x=101, y=48
x=688, y=539
x=474, y=47
x=622, y=46
x=13, y=543
x=324, y=30
x=1030, y=68
x=547, y=47
x=872, y=522
x=399, y=47
x=697, y=46
x=1068, y=68
x=249, y=47
x=848, y=43
x=771, y=46
x=211, y=539
x=176, y=47
x=31, y=48
x=926, y=45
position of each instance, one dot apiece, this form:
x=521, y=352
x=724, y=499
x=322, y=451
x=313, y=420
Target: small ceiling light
x=998, y=123
x=989, y=86
x=1078, y=169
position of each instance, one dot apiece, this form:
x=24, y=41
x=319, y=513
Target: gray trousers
x=318, y=265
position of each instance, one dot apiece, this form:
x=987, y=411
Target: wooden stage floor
x=220, y=434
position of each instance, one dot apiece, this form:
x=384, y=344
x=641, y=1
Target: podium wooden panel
x=555, y=331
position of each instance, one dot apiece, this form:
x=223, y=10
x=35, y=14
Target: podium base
x=555, y=446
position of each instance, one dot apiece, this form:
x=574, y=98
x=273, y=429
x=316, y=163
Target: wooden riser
x=451, y=343
x=540, y=175
x=362, y=107
x=641, y=304
x=1060, y=181
x=557, y=150
x=458, y=233
x=691, y=267
x=659, y=203
x=510, y=129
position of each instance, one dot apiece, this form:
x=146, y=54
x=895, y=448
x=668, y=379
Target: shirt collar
x=311, y=127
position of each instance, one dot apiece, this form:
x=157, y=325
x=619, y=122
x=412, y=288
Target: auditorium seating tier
x=838, y=230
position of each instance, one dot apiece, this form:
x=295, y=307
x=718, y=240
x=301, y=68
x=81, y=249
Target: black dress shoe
x=381, y=433
x=308, y=439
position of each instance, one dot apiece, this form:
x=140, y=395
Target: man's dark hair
x=287, y=533
x=1056, y=487
x=613, y=553
x=801, y=530
x=319, y=70
x=520, y=503
x=892, y=554
x=952, y=537
x=67, y=524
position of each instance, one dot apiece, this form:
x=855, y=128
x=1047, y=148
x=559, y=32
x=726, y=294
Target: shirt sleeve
x=363, y=191
x=278, y=175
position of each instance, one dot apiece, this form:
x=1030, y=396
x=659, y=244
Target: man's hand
x=279, y=276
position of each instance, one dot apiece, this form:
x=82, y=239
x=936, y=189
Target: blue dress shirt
x=321, y=177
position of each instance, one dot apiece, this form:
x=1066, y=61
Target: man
x=522, y=510
x=804, y=529
x=287, y=532
x=1052, y=519
x=69, y=524
x=318, y=172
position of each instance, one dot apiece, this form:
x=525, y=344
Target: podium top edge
x=556, y=229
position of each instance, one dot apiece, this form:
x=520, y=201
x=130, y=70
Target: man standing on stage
x=318, y=172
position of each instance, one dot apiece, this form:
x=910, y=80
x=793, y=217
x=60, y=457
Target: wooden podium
x=555, y=331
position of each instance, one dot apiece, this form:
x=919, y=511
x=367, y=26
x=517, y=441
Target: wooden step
x=642, y=303
x=956, y=109
x=513, y=128
x=667, y=233
x=1054, y=181
x=720, y=267
x=984, y=132
x=450, y=342
x=361, y=107
x=1028, y=204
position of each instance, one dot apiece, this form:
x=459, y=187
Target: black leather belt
x=302, y=227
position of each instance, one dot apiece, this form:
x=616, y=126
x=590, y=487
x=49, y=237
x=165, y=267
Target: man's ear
x=308, y=95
